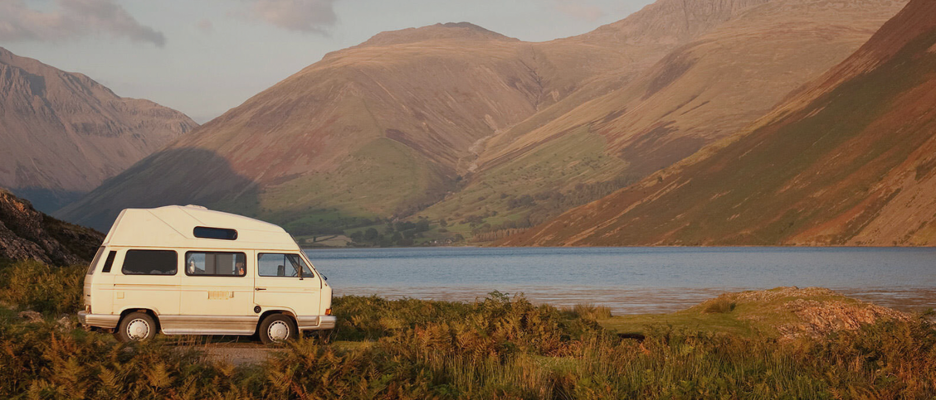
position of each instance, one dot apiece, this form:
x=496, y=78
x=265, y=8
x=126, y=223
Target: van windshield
x=282, y=265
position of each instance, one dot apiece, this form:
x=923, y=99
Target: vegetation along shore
x=781, y=343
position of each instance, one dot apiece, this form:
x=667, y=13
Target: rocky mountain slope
x=848, y=160
x=63, y=133
x=394, y=124
x=699, y=93
x=27, y=234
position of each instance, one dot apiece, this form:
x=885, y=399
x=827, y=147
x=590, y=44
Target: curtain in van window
x=150, y=262
x=215, y=264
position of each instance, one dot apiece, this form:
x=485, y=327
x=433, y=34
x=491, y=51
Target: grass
x=499, y=348
x=579, y=156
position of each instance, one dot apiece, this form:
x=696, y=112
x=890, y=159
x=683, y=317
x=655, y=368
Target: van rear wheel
x=136, y=326
x=277, y=328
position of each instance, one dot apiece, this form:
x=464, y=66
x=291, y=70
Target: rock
x=65, y=322
x=27, y=234
x=819, y=319
x=810, y=312
x=30, y=316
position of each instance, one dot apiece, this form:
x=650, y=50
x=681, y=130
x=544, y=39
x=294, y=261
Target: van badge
x=220, y=295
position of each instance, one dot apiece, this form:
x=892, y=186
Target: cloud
x=205, y=26
x=579, y=9
x=312, y=16
x=71, y=19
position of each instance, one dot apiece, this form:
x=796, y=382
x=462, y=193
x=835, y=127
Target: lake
x=630, y=280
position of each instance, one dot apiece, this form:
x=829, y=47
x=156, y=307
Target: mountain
x=27, y=234
x=489, y=133
x=699, y=93
x=63, y=133
x=847, y=160
x=393, y=125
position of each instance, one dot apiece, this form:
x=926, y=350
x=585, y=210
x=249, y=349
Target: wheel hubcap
x=138, y=329
x=278, y=331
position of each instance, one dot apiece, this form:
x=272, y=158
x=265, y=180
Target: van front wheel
x=277, y=328
x=136, y=326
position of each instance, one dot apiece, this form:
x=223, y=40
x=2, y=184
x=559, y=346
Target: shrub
x=719, y=305
x=36, y=286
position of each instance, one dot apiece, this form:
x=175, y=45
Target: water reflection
x=630, y=301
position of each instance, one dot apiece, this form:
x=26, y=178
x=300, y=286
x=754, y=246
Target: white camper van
x=192, y=271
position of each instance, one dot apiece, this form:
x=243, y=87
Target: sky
x=203, y=57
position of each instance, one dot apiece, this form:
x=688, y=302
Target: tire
x=277, y=328
x=136, y=326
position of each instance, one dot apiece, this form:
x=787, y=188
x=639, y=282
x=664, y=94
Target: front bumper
x=106, y=321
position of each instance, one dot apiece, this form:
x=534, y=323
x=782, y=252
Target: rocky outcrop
x=810, y=312
x=27, y=234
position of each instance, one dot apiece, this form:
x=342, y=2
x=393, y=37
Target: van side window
x=215, y=264
x=109, y=262
x=284, y=265
x=215, y=233
x=150, y=262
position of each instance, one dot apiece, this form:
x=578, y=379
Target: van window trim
x=236, y=234
x=127, y=251
x=187, y=252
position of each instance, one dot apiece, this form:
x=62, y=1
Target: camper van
x=187, y=270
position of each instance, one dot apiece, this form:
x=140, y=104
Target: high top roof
x=173, y=227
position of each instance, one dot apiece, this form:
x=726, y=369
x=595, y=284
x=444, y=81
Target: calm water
x=630, y=280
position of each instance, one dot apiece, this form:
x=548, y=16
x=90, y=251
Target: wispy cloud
x=579, y=9
x=312, y=16
x=71, y=19
x=205, y=26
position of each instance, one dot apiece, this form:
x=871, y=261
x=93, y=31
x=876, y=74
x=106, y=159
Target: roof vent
x=197, y=207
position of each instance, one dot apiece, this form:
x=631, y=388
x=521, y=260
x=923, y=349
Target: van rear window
x=150, y=262
x=215, y=233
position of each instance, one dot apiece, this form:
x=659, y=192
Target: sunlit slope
x=699, y=93
x=388, y=120
x=848, y=161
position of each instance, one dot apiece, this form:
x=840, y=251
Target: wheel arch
x=128, y=310
x=267, y=313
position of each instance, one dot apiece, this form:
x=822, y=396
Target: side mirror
x=324, y=277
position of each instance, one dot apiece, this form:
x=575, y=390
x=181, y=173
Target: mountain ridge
x=64, y=133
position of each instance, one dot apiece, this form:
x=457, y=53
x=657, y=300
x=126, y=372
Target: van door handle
x=260, y=288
